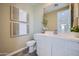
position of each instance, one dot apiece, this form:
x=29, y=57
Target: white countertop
x=67, y=36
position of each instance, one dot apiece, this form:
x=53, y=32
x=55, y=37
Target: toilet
x=31, y=46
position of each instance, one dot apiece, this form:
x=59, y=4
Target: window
x=63, y=21
x=22, y=28
x=19, y=22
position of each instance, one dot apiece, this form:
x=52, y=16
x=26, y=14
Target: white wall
x=38, y=17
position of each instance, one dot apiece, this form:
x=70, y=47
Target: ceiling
x=49, y=7
x=55, y=6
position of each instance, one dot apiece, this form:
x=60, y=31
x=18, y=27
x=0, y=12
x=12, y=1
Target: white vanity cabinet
x=64, y=47
x=43, y=46
x=56, y=46
x=72, y=48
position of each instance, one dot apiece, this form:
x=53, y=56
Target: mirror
x=59, y=17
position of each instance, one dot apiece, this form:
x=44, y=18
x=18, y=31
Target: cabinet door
x=43, y=46
x=65, y=47
x=72, y=48
x=58, y=47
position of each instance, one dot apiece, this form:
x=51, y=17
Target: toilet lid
x=30, y=43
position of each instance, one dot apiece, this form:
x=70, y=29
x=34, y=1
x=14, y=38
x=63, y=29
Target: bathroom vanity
x=61, y=44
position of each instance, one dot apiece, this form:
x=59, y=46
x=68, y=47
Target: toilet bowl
x=31, y=46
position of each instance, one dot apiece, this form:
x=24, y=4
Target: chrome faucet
x=55, y=31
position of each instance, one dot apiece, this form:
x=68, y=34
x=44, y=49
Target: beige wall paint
x=52, y=20
x=8, y=44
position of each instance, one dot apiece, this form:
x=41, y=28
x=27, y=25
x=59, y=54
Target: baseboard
x=3, y=54
x=17, y=51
